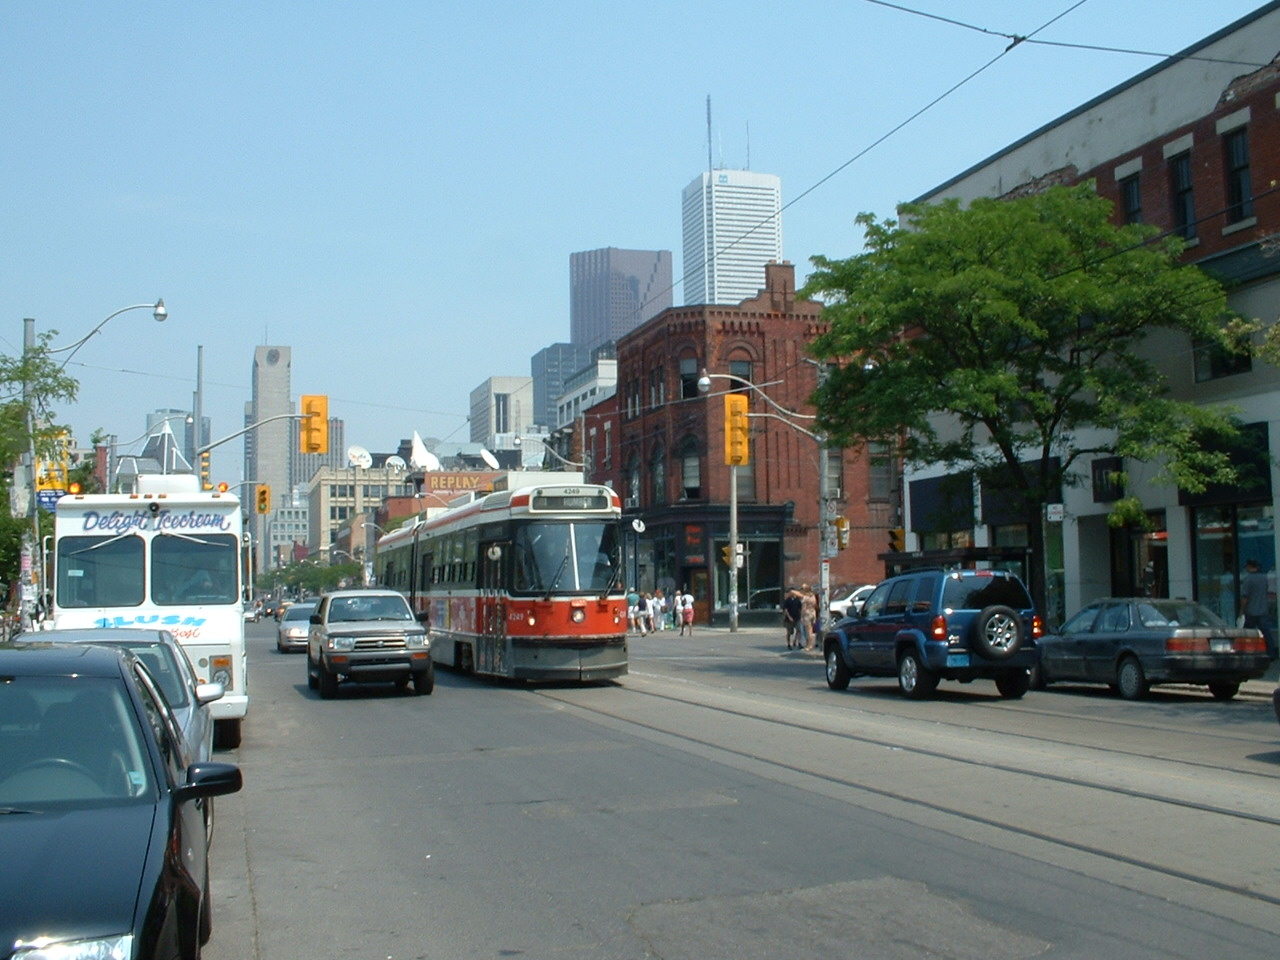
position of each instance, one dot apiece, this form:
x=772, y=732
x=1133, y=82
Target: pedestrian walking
x=792, y=609
x=1257, y=608
x=633, y=612
x=660, y=608
x=648, y=607
x=685, y=609
x=808, y=617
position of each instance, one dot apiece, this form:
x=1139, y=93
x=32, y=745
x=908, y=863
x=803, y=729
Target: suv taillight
x=1037, y=627
x=938, y=628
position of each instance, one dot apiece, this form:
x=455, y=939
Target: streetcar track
x=937, y=807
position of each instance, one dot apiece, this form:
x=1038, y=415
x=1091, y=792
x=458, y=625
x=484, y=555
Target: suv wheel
x=1013, y=685
x=424, y=681
x=1224, y=689
x=327, y=682
x=997, y=632
x=837, y=672
x=915, y=680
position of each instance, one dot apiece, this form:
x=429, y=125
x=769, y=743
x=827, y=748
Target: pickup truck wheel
x=328, y=682
x=837, y=673
x=915, y=680
x=424, y=681
x=311, y=673
x=997, y=632
x=1130, y=680
x=1013, y=686
x=1224, y=690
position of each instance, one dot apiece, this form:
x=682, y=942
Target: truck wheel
x=327, y=682
x=837, y=673
x=915, y=680
x=424, y=681
x=226, y=734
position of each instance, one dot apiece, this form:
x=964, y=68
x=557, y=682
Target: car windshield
x=69, y=741
x=1177, y=613
x=358, y=609
x=298, y=612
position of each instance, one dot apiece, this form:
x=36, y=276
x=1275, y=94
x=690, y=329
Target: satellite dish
x=489, y=458
x=359, y=457
x=397, y=462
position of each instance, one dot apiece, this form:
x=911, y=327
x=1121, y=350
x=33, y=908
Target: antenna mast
x=710, y=165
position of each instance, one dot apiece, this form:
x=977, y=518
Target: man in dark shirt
x=792, y=606
x=1257, y=609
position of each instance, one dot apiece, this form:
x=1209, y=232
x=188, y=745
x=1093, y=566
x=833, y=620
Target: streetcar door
x=491, y=608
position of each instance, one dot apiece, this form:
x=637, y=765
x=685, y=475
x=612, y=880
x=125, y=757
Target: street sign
x=49, y=498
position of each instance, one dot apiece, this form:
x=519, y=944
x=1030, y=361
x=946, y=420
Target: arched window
x=690, y=456
x=633, y=481
x=658, y=474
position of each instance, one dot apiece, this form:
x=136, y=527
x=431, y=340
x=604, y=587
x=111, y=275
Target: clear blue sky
x=394, y=188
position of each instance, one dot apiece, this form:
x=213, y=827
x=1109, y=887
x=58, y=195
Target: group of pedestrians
x=650, y=612
x=800, y=616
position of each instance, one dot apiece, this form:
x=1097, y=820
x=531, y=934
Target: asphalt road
x=720, y=801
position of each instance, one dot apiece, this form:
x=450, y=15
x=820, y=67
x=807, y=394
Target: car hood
x=375, y=628
x=72, y=874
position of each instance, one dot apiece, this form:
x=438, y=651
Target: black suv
x=931, y=625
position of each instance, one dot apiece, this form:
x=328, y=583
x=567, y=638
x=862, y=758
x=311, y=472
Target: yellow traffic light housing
x=897, y=540
x=737, y=448
x=205, y=483
x=842, y=532
x=262, y=498
x=314, y=436
x=726, y=554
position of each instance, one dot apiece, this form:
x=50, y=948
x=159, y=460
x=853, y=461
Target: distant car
x=930, y=625
x=252, y=614
x=167, y=660
x=101, y=832
x=1133, y=643
x=295, y=624
x=367, y=636
x=850, y=602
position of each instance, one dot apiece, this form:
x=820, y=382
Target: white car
x=851, y=603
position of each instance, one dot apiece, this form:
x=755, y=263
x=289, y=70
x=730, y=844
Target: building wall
x=1185, y=105
x=550, y=368
x=732, y=227
x=266, y=449
x=336, y=495
x=501, y=405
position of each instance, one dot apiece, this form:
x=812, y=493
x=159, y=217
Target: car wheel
x=1036, y=678
x=915, y=680
x=1224, y=690
x=1013, y=685
x=1130, y=680
x=326, y=682
x=226, y=734
x=424, y=681
x=837, y=673
x=997, y=632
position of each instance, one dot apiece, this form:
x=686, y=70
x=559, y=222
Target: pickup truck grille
x=380, y=643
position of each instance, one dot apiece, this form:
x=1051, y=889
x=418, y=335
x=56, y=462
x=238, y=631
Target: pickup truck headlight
x=342, y=643
x=415, y=640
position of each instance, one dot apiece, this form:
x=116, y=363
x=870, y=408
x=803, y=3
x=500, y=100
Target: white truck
x=171, y=556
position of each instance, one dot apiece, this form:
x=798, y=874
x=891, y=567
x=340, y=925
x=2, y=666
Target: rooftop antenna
x=710, y=165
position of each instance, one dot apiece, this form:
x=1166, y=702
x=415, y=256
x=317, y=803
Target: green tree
x=1006, y=338
x=31, y=379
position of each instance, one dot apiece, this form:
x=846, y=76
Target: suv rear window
x=975, y=593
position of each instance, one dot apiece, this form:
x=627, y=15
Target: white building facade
x=732, y=227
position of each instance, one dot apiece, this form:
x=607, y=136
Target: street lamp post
x=32, y=538
x=824, y=494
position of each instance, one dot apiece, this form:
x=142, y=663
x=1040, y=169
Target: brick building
x=1191, y=145
x=660, y=443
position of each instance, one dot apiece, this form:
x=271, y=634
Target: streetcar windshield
x=556, y=556
x=100, y=571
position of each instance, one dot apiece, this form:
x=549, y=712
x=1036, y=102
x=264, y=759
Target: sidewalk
x=762, y=636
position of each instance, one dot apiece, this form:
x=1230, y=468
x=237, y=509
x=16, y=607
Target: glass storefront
x=1227, y=536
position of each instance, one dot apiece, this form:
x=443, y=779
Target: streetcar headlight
x=530, y=618
x=578, y=615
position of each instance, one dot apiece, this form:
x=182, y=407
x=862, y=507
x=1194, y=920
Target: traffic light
x=315, y=423
x=842, y=532
x=726, y=554
x=262, y=498
x=897, y=540
x=737, y=449
x=204, y=471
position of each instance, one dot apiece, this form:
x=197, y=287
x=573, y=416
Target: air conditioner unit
x=631, y=503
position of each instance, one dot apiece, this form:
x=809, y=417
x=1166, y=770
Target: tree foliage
x=1008, y=337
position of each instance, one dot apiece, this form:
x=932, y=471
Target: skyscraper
x=732, y=228
x=612, y=291
x=266, y=448
x=551, y=367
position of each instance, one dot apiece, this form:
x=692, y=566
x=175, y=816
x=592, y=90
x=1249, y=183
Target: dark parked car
x=367, y=636
x=1132, y=643
x=931, y=625
x=101, y=833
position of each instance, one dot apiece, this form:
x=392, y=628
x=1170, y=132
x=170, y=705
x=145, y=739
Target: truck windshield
x=194, y=569
x=565, y=557
x=100, y=571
